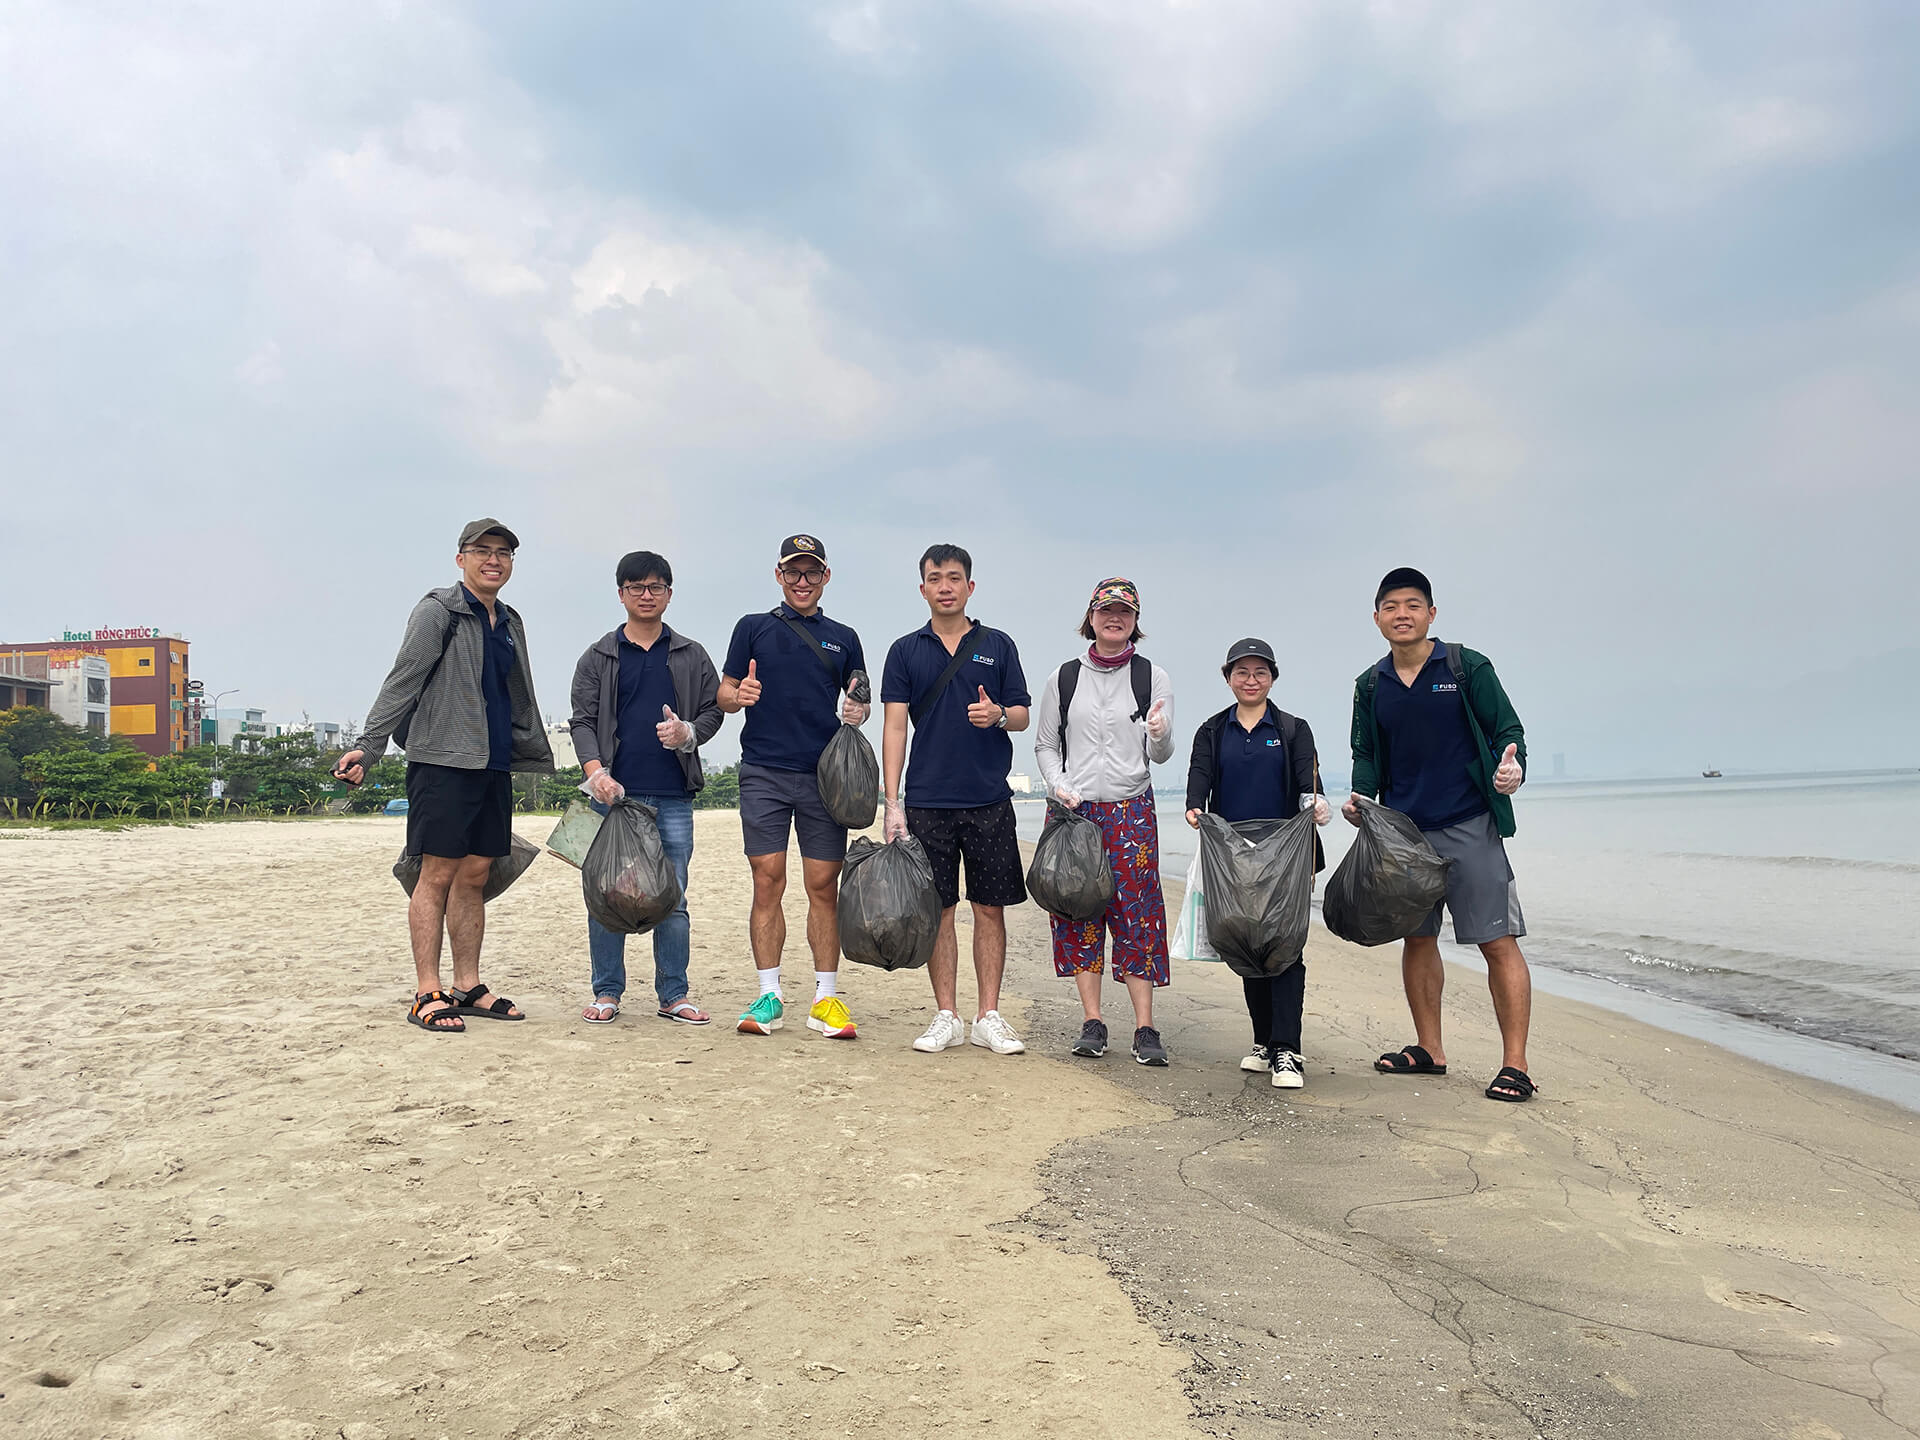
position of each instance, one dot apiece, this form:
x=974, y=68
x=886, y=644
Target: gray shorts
x=772, y=800
x=1480, y=890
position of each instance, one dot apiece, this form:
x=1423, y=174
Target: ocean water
x=1786, y=907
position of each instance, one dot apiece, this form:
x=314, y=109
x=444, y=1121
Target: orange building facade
x=148, y=673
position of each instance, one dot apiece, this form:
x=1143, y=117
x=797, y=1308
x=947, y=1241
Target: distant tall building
x=146, y=679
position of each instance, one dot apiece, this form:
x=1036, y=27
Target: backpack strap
x=918, y=710
x=1068, y=682
x=1142, y=669
x=1458, y=667
x=812, y=642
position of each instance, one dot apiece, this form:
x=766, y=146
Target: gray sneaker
x=1093, y=1039
x=1147, y=1048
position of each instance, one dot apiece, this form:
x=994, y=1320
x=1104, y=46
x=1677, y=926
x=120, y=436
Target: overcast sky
x=1607, y=316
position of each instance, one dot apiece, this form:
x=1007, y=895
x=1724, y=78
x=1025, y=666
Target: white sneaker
x=997, y=1035
x=946, y=1031
x=1259, y=1058
x=1286, y=1071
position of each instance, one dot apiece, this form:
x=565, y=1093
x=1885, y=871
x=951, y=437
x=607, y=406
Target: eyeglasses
x=650, y=589
x=803, y=577
x=487, y=552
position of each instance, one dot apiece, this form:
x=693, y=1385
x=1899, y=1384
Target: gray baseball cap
x=487, y=525
x=1250, y=649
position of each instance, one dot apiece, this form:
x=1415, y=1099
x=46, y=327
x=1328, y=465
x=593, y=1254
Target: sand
x=241, y=1197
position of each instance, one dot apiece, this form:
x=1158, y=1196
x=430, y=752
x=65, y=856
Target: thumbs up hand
x=748, y=690
x=1157, y=722
x=1507, y=775
x=983, y=712
x=674, y=733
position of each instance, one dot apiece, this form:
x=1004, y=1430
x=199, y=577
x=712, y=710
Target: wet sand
x=243, y=1198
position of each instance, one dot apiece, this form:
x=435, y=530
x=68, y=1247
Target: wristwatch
x=1001, y=722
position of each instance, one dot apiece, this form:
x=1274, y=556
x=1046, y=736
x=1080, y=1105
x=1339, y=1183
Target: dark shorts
x=454, y=813
x=986, y=839
x=1481, y=892
x=774, y=801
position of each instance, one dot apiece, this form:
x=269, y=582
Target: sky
x=1605, y=315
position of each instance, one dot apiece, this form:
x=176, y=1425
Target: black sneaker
x=1147, y=1048
x=1093, y=1039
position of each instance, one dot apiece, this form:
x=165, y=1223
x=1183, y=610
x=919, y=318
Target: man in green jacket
x=1435, y=737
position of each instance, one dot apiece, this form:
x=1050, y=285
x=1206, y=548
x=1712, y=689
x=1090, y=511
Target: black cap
x=487, y=525
x=1250, y=649
x=1404, y=577
x=796, y=546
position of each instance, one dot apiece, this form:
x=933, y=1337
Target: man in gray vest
x=459, y=700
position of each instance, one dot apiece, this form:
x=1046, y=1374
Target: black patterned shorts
x=986, y=839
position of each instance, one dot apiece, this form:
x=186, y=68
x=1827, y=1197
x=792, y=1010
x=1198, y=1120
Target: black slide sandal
x=496, y=1008
x=440, y=1022
x=1511, y=1085
x=1408, y=1060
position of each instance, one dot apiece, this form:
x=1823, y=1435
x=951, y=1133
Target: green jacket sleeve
x=1495, y=712
x=1366, y=770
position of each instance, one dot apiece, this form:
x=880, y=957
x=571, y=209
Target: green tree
x=282, y=772
x=721, y=792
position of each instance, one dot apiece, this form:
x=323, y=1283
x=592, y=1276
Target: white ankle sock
x=770, y=981
x=825, y=983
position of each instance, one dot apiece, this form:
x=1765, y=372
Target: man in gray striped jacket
x=459, y=700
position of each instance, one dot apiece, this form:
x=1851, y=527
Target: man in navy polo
x=1435, y=737
x=787, y=668
x=959, y=684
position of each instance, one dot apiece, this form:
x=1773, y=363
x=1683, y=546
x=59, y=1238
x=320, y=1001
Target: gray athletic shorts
x=1480, y=890
x=772, y=800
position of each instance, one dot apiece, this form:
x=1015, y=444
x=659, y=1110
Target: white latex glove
x=674, y=733
x=1507, y=775
x=604, y=788
x=1351, y=810
x=1321, y=812
x=1157, y=724
x=1068, y=798
x=853, y=712
x=896, y=824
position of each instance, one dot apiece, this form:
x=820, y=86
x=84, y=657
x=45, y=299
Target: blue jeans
x=672, y=945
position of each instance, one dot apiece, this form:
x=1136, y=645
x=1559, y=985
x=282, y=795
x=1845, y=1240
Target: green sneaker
x=763, y=1016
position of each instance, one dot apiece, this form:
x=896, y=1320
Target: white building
x=560, y=737
x=1020, y=784
x=80, y=691
x=241, y=729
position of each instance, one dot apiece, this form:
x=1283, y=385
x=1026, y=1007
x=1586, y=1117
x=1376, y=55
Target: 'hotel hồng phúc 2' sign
x=137, y=632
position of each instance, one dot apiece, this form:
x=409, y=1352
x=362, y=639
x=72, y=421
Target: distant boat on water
x=1710, y=775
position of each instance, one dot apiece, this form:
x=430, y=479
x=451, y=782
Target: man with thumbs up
x=1435, y=737
x=644, y=699
x=959, y=684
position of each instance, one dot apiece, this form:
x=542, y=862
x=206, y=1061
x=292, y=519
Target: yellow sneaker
x=831, y=1018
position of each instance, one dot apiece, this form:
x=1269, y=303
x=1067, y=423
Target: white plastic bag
x=1189, y=940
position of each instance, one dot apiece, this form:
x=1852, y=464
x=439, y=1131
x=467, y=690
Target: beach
x=244, y=1198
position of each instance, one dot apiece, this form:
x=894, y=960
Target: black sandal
x=498, y=1008
x=1511, y=1085
x=1408, y=1060
x=440, y=1022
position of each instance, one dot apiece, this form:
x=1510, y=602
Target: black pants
x=1274, y=1006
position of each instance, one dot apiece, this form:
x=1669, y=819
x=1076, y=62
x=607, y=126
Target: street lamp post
x=216, y=727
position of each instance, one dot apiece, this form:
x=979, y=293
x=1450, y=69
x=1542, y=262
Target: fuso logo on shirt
x=983, y=660
x=829, y=645
x=1448, y=688
x=1272, y=743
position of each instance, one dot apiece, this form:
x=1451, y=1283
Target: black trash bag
x=1070, y=876
x=628, y=881
x=1388, y=883
x=889, y=905
x=849, y=778
x=502, y=873
x=1258, y=880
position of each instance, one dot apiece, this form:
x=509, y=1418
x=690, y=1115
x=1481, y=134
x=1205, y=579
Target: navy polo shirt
x=496, y=664
x=641, y=764
x=799, y=708
x=954, y=764
x=1255, y=779
x=1431, y=756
